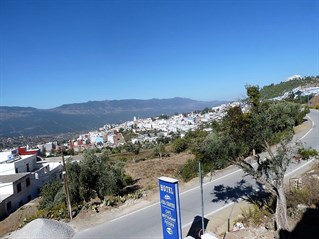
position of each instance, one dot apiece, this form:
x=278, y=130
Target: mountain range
x=81, y=117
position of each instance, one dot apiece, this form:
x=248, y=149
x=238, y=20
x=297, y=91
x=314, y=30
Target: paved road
x=146, y=222
x=311, y=138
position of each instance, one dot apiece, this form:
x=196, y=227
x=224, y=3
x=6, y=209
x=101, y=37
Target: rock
x=270, y=225
x=44, y=228
x=208, y=236
x=238, y=226
x=302, y=207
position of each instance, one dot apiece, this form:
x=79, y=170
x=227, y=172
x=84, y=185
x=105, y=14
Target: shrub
x=307, y=153
x=49, y=194
x=255, y=215
x=307, y=195
x=298, y=196
x=189, y=170
x=179, y=145
x=128, y=180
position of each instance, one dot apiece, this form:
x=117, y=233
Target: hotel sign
x=170, y=208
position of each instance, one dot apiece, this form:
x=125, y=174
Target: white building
x=21, y=178
x=9, y=155
x=18, y=164
x=16, y=190
x=294, y=77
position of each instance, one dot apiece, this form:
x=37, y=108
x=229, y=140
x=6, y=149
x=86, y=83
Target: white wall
x=17, y=198
x=20, y=165
x=7, y=168
x=6, y=188
x=11, y=154
x=47, y=173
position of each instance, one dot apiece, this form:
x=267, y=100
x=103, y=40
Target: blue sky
x=54, y=52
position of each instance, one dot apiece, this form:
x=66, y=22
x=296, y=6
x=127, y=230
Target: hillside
x=80, y=117
x=276, y=90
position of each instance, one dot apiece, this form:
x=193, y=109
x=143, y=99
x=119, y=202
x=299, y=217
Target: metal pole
x=66, y=187
x=202, y=194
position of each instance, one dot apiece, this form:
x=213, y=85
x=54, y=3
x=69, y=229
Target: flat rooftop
x=12, y=177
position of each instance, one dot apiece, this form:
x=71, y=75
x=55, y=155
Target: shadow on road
x=241, y=191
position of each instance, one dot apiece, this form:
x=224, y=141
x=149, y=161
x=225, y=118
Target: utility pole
x=66, y=186
x=202, y=194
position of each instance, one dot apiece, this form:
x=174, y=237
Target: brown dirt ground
x=147, y=172
x=16, y=219
x=314, y=101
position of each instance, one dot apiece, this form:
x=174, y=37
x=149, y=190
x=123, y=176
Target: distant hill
x=81, y=117
x=276, y=90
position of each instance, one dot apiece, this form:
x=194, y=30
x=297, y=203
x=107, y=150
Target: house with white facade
x=16, y=190
x=21, y=178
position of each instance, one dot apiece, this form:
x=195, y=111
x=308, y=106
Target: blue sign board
x=170, y=208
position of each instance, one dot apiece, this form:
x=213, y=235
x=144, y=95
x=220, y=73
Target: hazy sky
x=62, y=51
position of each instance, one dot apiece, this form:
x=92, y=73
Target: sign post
x=170, y=208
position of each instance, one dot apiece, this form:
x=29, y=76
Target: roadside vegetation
x=302, y=208
x=245, y=134
x=100, y=178
x=95, y=180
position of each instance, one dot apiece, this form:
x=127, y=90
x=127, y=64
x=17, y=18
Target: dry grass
x=16, y=219
x=314, y=101
x=146, y=172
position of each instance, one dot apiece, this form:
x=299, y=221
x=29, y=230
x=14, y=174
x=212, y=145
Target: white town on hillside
x=23, y=172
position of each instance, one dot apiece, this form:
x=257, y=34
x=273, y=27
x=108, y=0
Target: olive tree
x=241, y=133
x=271, y=123
x=95, y=176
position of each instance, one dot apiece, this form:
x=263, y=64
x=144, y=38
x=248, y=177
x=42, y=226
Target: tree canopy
x=95, y=176
x=240, y=133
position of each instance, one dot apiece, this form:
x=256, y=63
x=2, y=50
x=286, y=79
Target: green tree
x=48, y=193
x=270, y=172
x=195, y=139
x=95, y=176
x=74, y=171
x=70, y=151
x=89, y=175
x=162, y=139
x=239, y=133
x=43, y=152
x=179, y=145
x=134, y=148
x=253, y=94
x=159, y=149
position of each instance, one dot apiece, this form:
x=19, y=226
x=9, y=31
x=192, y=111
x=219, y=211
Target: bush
x=49, y=194
x=308, y=195
x=189, y=170
x=128, y=180
x=254, y=215
x=179, y=145
x=298, y=196
x=307, y=153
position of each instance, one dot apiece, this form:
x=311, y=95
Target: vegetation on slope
x=275, y=90
x=236, y=136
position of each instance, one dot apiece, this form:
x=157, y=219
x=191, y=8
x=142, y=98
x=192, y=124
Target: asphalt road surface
x=219, y=193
